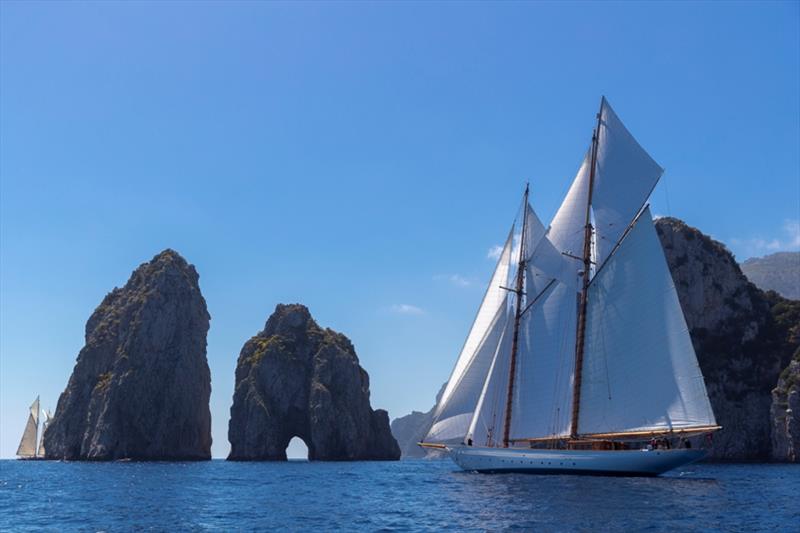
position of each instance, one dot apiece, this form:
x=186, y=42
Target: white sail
x=457, y=404
x=27, y=446
x=567, y=227
x=624, y=177
x=45, y=423
x=488, y=422
x=640, y=371
x=545, y=363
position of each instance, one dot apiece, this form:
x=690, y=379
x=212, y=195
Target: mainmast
x=518, y=290
x=587, y=266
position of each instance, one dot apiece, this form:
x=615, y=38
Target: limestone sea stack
x=296, y=379
x=141, y=385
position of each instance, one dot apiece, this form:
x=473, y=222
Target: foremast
x=519, y=291
x=587, y=266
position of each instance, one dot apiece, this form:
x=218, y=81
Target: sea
x=412, y=495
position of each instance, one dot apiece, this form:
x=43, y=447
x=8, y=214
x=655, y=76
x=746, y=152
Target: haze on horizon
x=361, y=159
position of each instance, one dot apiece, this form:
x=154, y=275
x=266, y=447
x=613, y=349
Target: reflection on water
x=407, y=495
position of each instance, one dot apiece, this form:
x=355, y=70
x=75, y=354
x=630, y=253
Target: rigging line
x=619, y=243
x=538, y=296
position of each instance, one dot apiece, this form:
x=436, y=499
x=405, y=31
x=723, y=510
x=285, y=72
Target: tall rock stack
x=743, y=337
x=140, y=388
x=295, y=379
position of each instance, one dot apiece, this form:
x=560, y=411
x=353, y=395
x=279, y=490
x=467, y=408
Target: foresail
x=457, y=404
x=640, y=370
x=45, y=423
x=624, y=177
x=486, y=427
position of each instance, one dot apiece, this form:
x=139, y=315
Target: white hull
x=586, y=462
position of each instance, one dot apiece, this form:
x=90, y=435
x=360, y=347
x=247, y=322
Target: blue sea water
x=401, y=496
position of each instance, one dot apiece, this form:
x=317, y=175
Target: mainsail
x=27, y=446
x=592, y=342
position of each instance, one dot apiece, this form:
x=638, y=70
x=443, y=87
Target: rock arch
x=297, y=379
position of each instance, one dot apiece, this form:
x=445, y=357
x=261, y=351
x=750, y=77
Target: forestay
x=640, y=370
x=456, y=407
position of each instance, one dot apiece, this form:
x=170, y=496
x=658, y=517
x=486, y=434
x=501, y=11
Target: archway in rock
x=297, y=450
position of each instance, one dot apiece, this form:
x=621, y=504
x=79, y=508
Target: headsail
x=27, y=446
x=640, y=370
x=457, y=404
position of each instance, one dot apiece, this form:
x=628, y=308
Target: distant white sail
x=457, y=404
x=624, y=178
x=640, y=371
x=27, y=446
x=45, y=423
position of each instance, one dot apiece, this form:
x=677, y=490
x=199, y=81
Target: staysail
x=640, y=370
x=457, y=405
x=27, y=446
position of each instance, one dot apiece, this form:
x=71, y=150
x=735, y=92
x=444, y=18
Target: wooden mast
x=518, y=290
x=587, y=265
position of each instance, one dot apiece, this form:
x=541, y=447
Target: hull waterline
x=579, y=462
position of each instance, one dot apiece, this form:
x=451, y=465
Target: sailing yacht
x=31, y=436
x=580, y=353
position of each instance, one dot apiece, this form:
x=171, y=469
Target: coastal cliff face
x=412, y=428
x=786, y=414
x=141, y=384
x=743, y=337
x=297, y=379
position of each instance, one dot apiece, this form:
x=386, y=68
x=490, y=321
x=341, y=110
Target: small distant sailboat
x=28, y=448
x=580, y=352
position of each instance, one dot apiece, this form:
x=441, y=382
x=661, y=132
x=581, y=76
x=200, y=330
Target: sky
x=360, y=158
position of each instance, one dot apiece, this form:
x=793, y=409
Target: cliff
x=779, y=272
x=141, y=385
x=412, y=428
x=297, y=379
x=786, y=414
x=742, y=338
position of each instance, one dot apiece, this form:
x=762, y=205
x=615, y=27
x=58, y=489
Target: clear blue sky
x=358, y=158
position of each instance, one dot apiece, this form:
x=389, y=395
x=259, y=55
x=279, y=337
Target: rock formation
x=779, y=272
x=412, y=428
x=141, y=384
x=297, y=379
x=744, y=339
x=786, y=414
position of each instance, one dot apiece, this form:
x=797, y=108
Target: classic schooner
x=31, y=436
x=580, y=352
